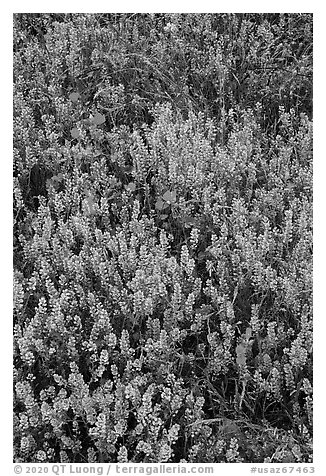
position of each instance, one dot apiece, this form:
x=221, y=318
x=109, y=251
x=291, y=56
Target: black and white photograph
x=162, y=239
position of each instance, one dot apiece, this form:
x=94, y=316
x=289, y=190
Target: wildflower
x=122, y=455
x=232, y=454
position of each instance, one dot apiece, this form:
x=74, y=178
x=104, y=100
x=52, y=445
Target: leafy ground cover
x=163, y=238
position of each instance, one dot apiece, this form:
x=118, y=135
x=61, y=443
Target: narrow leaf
x=241, y=354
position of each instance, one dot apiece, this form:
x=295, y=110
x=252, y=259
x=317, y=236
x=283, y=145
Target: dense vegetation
x=163, y=237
